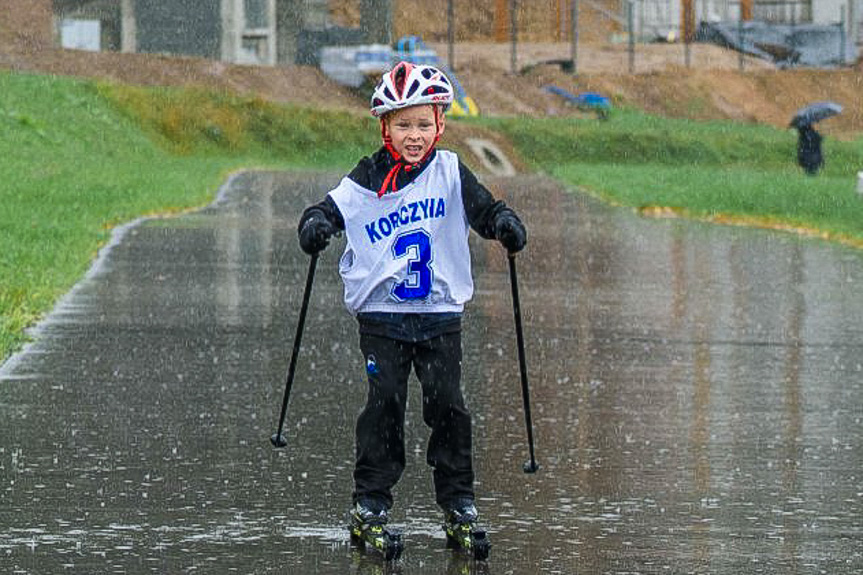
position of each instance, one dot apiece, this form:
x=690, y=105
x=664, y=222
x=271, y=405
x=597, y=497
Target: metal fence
x=284, y=32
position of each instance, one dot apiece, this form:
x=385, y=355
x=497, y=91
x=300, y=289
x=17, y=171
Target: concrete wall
x=828, y=11
x=376, y=21
x=189, y=27
x=289, y=20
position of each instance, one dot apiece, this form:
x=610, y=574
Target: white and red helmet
x=411, y=85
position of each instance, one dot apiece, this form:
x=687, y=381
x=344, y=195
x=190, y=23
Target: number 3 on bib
x=416, y=246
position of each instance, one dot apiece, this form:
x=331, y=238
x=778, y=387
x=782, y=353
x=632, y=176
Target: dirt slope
x=490, y=20
x=712, y=88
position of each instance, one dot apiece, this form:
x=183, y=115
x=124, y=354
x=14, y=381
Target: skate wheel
x=481, y=545
x=394, y=547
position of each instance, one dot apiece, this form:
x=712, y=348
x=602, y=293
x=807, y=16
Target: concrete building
x=262, y=32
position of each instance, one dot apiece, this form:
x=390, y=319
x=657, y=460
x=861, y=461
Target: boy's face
x=413, y=131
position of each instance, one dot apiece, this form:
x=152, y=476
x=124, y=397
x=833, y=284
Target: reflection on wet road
x=696, y=401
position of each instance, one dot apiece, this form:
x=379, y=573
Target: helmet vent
x=413, y=88
x=388, y=94
x=399, y=78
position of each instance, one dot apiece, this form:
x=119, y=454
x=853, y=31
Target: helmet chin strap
x=390, y=179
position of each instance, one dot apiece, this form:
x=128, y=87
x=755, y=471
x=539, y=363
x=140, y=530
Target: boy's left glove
x=509, y=231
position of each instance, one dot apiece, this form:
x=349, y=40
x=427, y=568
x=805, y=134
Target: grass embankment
x=719, y=171
x=79, y=158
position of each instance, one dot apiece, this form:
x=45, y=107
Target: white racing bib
x=407, y=252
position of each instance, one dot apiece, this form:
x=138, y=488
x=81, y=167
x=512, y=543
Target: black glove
x=315, y=233
x=509, y=231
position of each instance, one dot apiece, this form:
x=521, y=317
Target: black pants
x=380, y=427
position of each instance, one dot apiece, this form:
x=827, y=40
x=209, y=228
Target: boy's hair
x=388, y=117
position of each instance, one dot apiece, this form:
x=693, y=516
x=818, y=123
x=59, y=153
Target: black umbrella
x=815, y=113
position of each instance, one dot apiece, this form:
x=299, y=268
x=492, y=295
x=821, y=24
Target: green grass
x=79, y=158
x=195, y=122
x=702, y=169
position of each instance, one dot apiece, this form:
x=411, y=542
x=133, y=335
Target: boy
x=407, y=274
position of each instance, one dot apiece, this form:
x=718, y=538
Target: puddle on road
x=695, y=395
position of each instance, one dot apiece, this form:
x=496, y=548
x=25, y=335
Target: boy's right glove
x=509, y=231
x=315, y=233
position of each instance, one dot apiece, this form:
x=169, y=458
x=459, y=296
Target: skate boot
x=462, y=532
x=369, y=528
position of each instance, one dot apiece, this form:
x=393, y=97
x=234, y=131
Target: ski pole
x=530, y=466
x=278, y=440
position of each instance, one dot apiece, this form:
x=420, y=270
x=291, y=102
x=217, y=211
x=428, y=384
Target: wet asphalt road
x=696, y=397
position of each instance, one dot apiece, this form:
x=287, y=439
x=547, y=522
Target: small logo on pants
x=371, y=365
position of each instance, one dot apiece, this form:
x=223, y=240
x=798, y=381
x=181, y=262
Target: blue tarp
x=813, y=45
x=584, y=101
